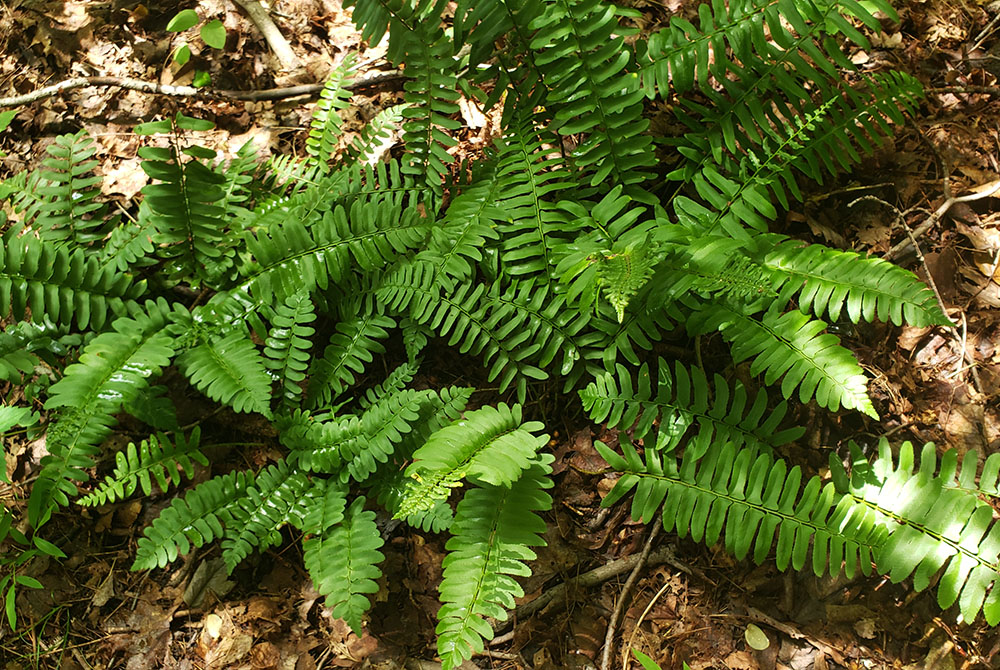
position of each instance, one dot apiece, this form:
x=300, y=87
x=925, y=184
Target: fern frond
x=61, y=285
x=832, y=281
x=113, y=369
x=70, y=188
x=937, y=526
x=325, y=125
x=793, y=348
x=195, y=519
x=154, y=459
x=286, y=350
x=750, y=496
x=288, y=257
x=350, y=349
x=131, y=242
x=374, y=139
x=325, y=508
x=393, y=383
x=492, y=533
x=229, y=369
x=678, y=402
x=343, y=563
x=488, y=446
x=260, y=512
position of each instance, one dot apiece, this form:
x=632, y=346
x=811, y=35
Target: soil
x=695, y=605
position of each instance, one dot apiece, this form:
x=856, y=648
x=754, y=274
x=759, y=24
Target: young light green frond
x=69, y=191
x=831, y=282
x=684, y=404
x=287, y=348
x=343, y=563
x=325, y=126
x=229, y=369
x=261, y=511
x=195, y=519
x=376, y=137
x=934, y=525
x=60, y=285
x=154, y=459
x=744, y=498
x=492, y=533
x=792, y=347
x=352, y=347
x=487, y=446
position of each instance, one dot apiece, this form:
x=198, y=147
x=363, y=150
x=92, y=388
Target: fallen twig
x=556, y=596
x=279, y=45
x=189, y=91
x=989, y=90
x=609, y=637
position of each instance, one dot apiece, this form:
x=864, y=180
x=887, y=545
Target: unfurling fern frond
x=935, y=523
x=286, y=349
x=487, y=446
x=830, y=282
x=261, y=511
x=492, y=533
x=195, y=519
x=324, y=128
x=343, y=563
x=743, y=497
x=69, y=189
x=155, y=459
x=679, y=402
x=113, y=369
x=791, y=347
x=229, y=369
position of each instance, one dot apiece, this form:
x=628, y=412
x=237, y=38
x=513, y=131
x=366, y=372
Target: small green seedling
x=212, y=33
x=648, y=663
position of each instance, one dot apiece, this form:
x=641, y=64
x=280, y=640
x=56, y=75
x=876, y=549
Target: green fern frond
x=260, y=512
x=581, y=53
x=131, y=242
x=343, y=563
x=327, y=502
x=60, y=285
x=155, y=459
x=488, y=446
x=69, y=189
x=393, y=383
x=229, y=369
x=831, y=282
x=325, y=126
x=286, y=350
x=373, y=140
x=679, y=402
x=350, y=349
x=10, y=417
x=195, y=519
x=937, y=526
x=793, y=348
x=113, y=369
x=492, y=533
x=750, y=496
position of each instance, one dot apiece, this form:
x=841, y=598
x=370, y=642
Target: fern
x=287, y=347
x=324, y=128
x=342, y=561
x=155, y=459
x=680, y=405
x=229, y=369
x=493, y=529
x=351, y=347
x=71, y=211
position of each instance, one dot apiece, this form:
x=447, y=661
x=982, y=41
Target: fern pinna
x=305, y=293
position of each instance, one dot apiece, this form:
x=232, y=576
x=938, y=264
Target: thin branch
x=189, y=91
x=609, y=637
x=279, y=45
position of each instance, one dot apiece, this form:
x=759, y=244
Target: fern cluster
x=556, y=255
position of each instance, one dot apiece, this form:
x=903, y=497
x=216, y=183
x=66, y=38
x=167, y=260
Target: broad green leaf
x=182, y=55
x=183, y=20
x=201, y=78
x=214, y=34
x=755, y=637
x=646, y=661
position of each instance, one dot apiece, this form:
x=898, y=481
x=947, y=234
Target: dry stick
x=989, y=90
x=904, y=246
x=616, y=615
x=642, y=617
x=189, y=91
x=557, y=594
x=279, y=45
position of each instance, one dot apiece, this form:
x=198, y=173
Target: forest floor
x=690, y=603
